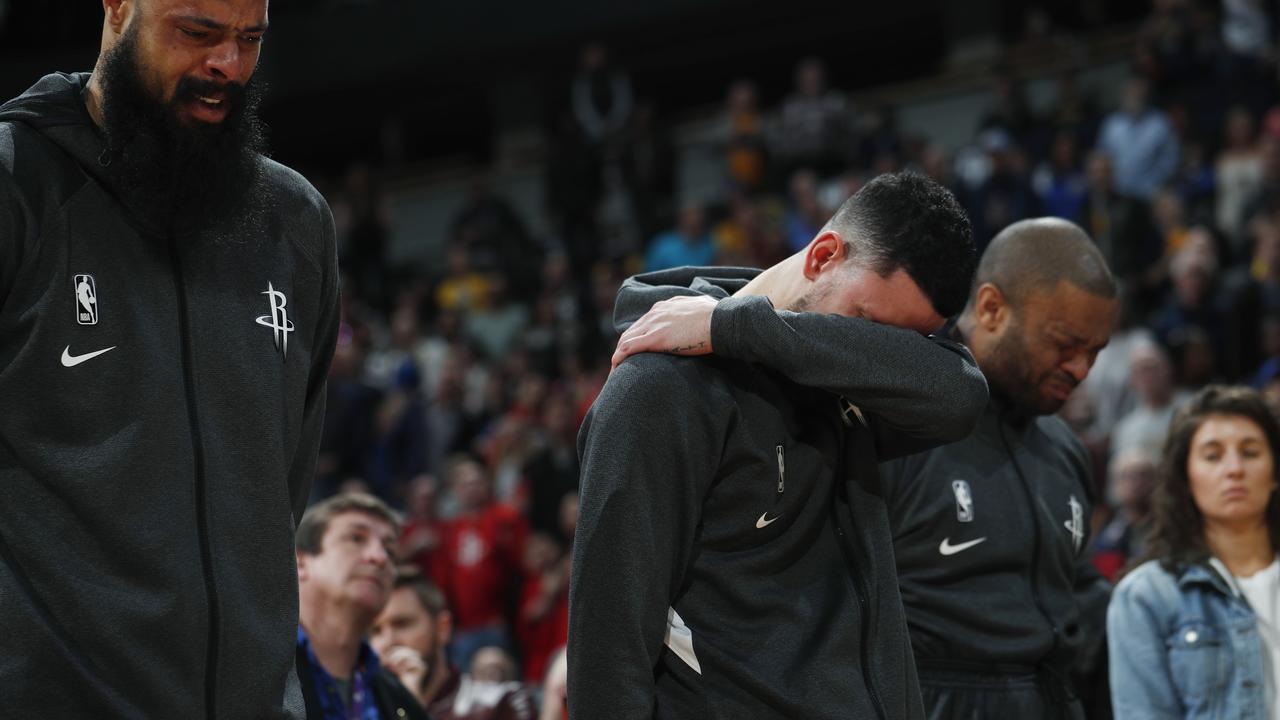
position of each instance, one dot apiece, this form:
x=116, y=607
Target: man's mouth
x=209, y=108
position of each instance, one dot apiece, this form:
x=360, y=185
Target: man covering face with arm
x=726, y=547
x=990, y=532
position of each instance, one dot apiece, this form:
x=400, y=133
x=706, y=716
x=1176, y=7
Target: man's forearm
x=925, y=387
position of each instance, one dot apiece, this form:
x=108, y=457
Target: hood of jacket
x=55, y=108
x=639, y=293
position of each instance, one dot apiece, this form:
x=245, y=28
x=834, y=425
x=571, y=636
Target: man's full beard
x=188, y=176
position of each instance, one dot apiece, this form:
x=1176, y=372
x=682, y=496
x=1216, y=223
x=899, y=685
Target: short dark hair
x=429, y=596
x=315, y=522
x=1177, y=526
x=906, y=220
x=1038, y=253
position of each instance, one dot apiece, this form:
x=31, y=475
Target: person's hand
x=407, y=665
x=678, y=326
x=422, y=538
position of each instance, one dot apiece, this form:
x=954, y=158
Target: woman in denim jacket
x=1192, y=631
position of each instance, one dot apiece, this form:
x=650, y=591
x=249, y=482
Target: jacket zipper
x=860, y=589
x=1035, y=539
x=202, y=520
x=782, y=469
x=856, y=579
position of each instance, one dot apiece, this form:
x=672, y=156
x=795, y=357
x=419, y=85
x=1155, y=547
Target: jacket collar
x=1201, y=573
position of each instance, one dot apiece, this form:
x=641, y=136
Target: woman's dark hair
x=1177, y=526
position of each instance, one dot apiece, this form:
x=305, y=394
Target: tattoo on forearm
x=687, y=348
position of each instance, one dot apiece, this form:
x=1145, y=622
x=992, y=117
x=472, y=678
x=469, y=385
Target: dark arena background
x=497, y=168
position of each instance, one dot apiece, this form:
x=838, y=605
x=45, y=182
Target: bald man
x=990, y=532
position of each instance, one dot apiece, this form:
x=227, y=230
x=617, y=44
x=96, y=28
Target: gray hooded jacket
x=733, y=556
x=162, y=398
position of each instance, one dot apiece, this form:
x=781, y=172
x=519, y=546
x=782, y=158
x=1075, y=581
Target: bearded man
x=156, y=444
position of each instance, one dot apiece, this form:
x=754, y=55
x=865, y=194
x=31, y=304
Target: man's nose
x=224, y=60
x=1077, y=366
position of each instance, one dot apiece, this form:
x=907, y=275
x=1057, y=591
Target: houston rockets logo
x=278, y=320
x=1076, y=524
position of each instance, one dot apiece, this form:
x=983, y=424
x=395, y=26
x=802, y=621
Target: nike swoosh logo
x=762, y=523
x=69, y=360
x=946, y=548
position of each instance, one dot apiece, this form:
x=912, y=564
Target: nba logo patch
x=964, y=500
x=86, y=300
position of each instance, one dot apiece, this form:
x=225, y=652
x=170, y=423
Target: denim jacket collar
x=1201, y=573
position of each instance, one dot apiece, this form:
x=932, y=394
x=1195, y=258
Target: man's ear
x=117, y=13
x=302, y=565
x=824, y=252
x=990, y=307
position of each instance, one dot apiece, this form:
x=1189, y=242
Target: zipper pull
x=782, y=470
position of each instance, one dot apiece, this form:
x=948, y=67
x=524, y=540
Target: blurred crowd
x=456, y=391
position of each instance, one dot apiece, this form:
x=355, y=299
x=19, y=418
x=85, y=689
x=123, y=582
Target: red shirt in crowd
x=480, y=555
x=540, y=634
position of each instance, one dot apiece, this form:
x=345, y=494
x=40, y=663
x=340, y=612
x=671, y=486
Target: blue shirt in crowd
x=332, y=704
x=1143, y=149
x=671, y=250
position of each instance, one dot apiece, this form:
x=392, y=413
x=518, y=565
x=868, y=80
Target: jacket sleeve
x=926, y=389
x=326, y=339
x=649, y=451
x=1141, y=686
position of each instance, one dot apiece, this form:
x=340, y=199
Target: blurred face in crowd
x=491, y=664
x=404, y=622
x=1167, y=208
x=1266, y=244
x=1271, y=158
x=1151, y=373
x=470, y=486
x=354, y=567
x=811, y=78
x=1098, y=168
x=1231, y=470
x=1135, y=96
x=692, y=223
x=1239, y=128
x=1191, y=280
x=422, y=496
x=742, y=97
x=804, y=192
x=1064, y=151
x=935, y=163
x=568, y=514
x=1133, y=476
x=540, y=553
x=1041, y=350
